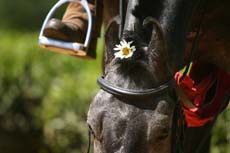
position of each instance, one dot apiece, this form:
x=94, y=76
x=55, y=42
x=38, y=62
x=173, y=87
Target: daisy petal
x=125, y=49
x=116, y=49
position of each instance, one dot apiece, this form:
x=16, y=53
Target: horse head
x=132, y=120
x=134, y=110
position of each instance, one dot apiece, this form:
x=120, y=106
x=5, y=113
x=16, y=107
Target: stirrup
x=72, y=48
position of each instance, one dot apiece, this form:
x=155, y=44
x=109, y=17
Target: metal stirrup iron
x=72, y=48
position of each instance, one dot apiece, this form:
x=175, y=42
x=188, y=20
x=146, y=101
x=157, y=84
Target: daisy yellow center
x=125, y=51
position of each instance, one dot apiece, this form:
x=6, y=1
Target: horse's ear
x=111, y=39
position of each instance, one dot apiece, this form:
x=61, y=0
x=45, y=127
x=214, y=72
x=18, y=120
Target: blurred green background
x=44, y=96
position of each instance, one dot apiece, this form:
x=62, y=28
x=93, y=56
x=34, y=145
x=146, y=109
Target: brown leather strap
x=98, y=18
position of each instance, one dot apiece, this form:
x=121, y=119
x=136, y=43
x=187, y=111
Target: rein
x=195, y=44
x=89, y=140
x=179, y=128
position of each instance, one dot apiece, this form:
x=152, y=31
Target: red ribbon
x=203, y=113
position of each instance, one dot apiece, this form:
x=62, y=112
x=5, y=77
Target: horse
x=137, y=109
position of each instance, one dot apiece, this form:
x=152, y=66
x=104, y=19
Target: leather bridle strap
x=178, y=128
x=121, y=17
x=195, y=44
x=89, y=140
x=134, y=94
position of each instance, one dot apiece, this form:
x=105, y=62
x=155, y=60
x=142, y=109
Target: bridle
x=135, y=94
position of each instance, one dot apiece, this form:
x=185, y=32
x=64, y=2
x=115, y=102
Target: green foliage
x=221, y=133
x=45, y=92
x=24, y=14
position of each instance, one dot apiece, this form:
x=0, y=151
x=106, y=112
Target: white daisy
x=125, y=50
